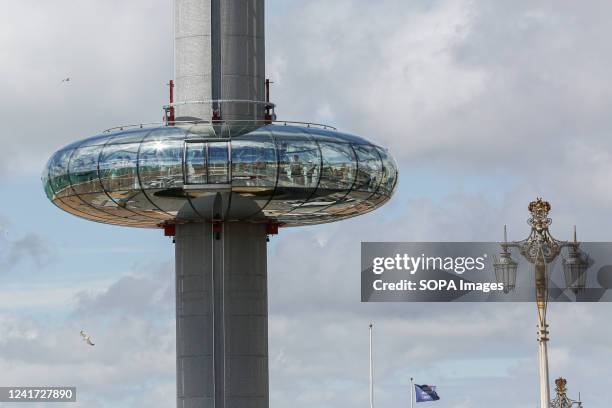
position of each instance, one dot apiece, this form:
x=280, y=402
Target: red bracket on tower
x=272, y=228
x=169, y=230
x=170, y=111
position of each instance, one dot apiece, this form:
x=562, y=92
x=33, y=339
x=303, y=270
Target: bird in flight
x=66, y=79
x=87, y=338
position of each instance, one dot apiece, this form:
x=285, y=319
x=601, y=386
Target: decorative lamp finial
x=561, y=384
x=539, y=210
x=539, y=207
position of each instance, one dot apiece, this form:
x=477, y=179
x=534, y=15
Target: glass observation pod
x=288, y=174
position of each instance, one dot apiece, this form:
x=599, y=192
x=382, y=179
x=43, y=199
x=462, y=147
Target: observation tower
x=220, y=174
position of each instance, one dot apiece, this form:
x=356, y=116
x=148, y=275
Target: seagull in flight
x=87, y=338
x=66, y=80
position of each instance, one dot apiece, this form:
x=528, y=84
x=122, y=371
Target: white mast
x=412, y=396
x=371, y=372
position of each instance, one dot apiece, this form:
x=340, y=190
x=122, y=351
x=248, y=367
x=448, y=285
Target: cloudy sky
x=485, y=105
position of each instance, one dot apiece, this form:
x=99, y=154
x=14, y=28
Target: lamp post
x=540, y=249
x=562, y=400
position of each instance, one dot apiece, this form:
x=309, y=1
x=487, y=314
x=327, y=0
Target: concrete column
x=193, y=58
x=219, y=55
x=243, y=56
x=221, y=316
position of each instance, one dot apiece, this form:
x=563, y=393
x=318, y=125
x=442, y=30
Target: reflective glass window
x=218, y=163
x=300, y=163
x=254, y=172
x=339, y=166
x=131, y=135
x=195, y=163
x=389, y=173
x=118, y=167
x=333, y=136
x=161, y=164
x=58, y=173
x=84, y=170
x=98, y=140
x=369, y=168
x=166, y=133
x=47, y=182
x=254, y=163
x=298, y=173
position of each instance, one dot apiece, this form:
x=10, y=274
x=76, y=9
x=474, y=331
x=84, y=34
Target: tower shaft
x=221, y=316
x=219, y=56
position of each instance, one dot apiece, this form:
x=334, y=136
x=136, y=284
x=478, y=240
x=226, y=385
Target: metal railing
x=228, y=123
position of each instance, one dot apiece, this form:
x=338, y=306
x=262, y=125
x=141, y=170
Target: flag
x=426, y=393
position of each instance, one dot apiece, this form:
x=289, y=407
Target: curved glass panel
x=298, y=172
x=369, y=171
x=337, y=177
x=46, y=181
x=84, y=170
x=299, y=164
x=161, y=173
x=136, y=135
x=167, y=133
x=339, y=166
x=389, y=173
x=161, y=164
x=73, y=145
x=254, y=173
x=195, y=163
x=254, y=163
x=86, y=191
x=367, y=182
x=218, y=162
x=118, y=167
x=58, y=173
x=325, y=135
x=98, y=140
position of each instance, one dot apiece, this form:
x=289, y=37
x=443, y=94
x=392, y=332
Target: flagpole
x=371, y=372
x=411, y=392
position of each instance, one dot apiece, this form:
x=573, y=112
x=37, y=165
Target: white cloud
x=117, y=54
x=29, y=248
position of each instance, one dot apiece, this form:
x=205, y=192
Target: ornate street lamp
x=505, y=267
x=575, y=266
x=540, y=249
x=562, y=400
